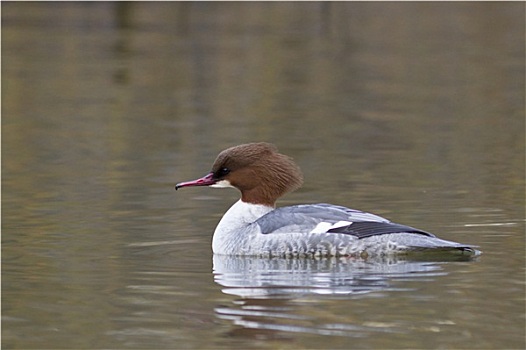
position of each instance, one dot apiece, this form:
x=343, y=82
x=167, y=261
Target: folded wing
x=327, y=218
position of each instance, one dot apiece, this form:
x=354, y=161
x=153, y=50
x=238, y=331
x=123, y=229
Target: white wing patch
x=323, y=227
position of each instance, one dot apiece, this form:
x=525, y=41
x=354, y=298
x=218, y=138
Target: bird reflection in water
x=279, y=296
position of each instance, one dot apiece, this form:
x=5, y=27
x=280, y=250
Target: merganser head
x=256, y=169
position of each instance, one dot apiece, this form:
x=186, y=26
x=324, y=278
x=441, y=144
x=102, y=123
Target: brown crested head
x=259, y=171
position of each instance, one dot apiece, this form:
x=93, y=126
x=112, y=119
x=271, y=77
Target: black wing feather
x=370, y=228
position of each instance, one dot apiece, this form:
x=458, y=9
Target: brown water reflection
x=414, y=111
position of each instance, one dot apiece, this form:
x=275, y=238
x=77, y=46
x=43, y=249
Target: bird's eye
x=222, y=172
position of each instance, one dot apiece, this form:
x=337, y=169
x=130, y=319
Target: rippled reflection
x=273, y=289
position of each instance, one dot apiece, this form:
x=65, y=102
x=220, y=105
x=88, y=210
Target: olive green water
x=414, y=111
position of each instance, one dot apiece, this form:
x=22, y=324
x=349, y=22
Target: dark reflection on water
x=413, y=111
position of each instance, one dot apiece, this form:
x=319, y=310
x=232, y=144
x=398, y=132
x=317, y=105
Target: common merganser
x=253, y=226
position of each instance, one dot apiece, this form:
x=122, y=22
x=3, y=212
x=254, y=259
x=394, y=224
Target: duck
x=254, y=226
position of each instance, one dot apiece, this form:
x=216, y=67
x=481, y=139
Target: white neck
x=238, y=217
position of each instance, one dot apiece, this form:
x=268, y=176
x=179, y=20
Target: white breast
x=233, y=230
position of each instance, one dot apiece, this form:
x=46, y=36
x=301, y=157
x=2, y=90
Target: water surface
x=414, y=111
